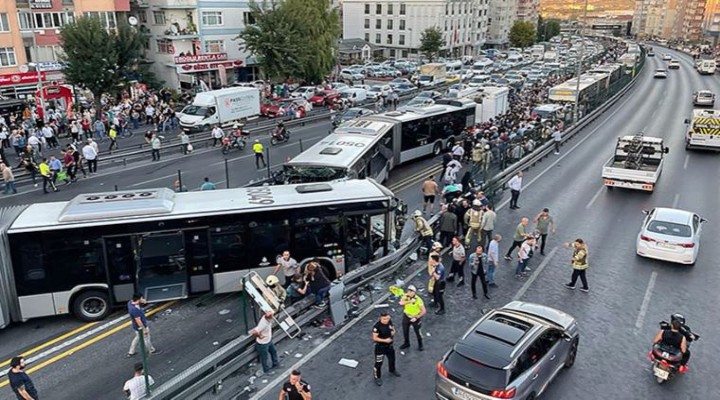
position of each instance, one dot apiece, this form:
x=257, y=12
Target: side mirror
x=703, y=220
x=666, y=150
x=687, y=121
x=646, y=212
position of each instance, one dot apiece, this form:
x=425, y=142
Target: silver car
x=512, y=352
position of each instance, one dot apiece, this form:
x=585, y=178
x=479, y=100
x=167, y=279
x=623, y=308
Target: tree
x=547, y=29
x=522, y=34
x=317, y=28
x=431, y=40
x=97, y=59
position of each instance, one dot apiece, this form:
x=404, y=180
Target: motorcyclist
x=280, y=131
x=673, y=337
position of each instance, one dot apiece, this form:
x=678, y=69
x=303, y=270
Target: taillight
x=651, y=356
x=503, y=394
x=646, y=238
x=441, y=369
x=665, y=363
x=687, y=245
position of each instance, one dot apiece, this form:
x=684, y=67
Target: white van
x=481, y=65
x=354, y=96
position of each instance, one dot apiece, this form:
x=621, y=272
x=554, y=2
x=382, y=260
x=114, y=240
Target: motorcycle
x=229, y=143
x=279, y=136
x=666, y=359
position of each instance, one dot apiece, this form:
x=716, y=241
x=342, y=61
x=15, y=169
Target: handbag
x=190, y=147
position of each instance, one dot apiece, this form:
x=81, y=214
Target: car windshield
x=350, y=114
x=479, y=374
x=425, y=94
x=375, y=89
x=670, y=228
x=705, y=94
x=197, y=111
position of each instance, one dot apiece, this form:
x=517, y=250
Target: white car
x=670, y=234
x=666, y=57
x=674, y=64
x=350, y=75
x=305, y=92
x=704, y=98
x=660, y=73
x=379, y=90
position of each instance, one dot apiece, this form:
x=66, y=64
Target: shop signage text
x=20, y=78
x=190, y=68
x=201, y=58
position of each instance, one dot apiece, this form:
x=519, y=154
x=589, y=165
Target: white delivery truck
x=223, y=106
x=636, y=164
x=495, y=101
x=432, y=75
x=704, y=132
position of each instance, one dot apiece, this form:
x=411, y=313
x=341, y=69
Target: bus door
x=161, y=270
x=197, y=255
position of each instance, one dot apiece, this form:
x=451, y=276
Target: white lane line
x=646, y=301
x=592, y=201
x=535, y=274
x=687, y=158
x=153, y=180
x=676, y=200
x=567, y=153
x=249, y=146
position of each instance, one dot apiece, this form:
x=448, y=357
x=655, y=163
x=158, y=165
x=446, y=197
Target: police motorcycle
x=280, y=134
x=666, y=360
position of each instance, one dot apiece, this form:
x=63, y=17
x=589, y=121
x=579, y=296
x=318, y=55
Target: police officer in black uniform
x=382, y=334
x=295, y=388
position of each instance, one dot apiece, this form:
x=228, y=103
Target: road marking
x=249, y=146
x=414, y=178
x=50, y=343
x=153, y=180
x=535, y=274
x=592, y=201
x=567, y=153
x=676, y=200
x=687, y=158
x=83, y=345
x=646, y=301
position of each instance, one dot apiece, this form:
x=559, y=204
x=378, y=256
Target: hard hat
x=437, y=245
x=478, y=146
x=272, y=280
x=477, y=203
x=417, y=213
x=412, y=287
x=257, y=140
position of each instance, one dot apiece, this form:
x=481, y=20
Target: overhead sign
x=41, y=4
x=201, y=58
x=20, y=78
x=49, y=66
x=606, y=27
x=189, y=68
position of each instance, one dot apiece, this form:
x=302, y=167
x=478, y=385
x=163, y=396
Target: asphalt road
x=628, y=295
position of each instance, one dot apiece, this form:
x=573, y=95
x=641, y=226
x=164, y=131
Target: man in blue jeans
x=263, y=342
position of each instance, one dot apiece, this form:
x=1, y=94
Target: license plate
x=666, y=245
x=661, y=373
x=460, y=394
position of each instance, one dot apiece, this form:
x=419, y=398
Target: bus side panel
x=227, y=282
x=37, y=305
x=8, y=295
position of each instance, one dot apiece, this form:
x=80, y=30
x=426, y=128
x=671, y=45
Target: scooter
x=229, y=143
x=666, y=359
x=279, y=137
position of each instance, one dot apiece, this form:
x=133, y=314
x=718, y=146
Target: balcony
x=178, y=5
x=139, y=4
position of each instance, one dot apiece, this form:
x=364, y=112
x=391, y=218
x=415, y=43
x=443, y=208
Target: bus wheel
x=91, y=306
x=437, y=149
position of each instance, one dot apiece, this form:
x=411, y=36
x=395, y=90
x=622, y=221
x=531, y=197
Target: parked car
x=432, y=94
x=339, y=86
x=350, y=114
x=379, y=91
x=405, y=89
x=513, y=352
x=306, y=92
x=354, y=96
x=325, y=97
x=399, y=81
x=351, y=75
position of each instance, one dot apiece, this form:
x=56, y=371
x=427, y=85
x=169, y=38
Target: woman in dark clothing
x=466, y=180
x=318, y=282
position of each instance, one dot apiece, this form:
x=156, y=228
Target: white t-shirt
x=136, y=386
x=264, y=328
x=515, y=183
x=89, y=152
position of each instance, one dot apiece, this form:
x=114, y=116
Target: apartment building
x=711, y=19
x=689, y=21
x=670, y=19
x=30, y=38
x=528, y=10
x=397, y=26
x=503, y=15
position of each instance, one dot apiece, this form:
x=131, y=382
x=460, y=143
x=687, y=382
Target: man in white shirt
x=149, y=113
x=134, y=387
x=263, y=342
x=458, y=151
x=557, y=139
x=515, y=184
x=90, y=155
x=217, y=135
x=493, y=259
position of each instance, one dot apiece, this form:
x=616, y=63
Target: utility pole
x=579, y=65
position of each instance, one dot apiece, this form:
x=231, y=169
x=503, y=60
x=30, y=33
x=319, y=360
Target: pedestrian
x=90, y=155
x=447, y=157
x=289, y=267
x=557, y=139
x=217, y=135
x=259, y=154
x=155, y=146
x=447, y=224
x=518, y=237
x=544, y=224
x=430, y=191
x=424, y=229
x=139, y=325
x=493, y=257
x=112, y=134
x=100, y=130
x=134, y=387
x=439, y=274
x=473, y=219
x=383, y=334
x=318, y=282
x=458, y=152
x=20, y=382
x=8, y=178
x=413, y=311
x=487, y=225
x=298, y=289
x=579, y=264
x=184, y=142
x=178, y=187
x=477, y=270
x=515, y=184
x=458, y=264
x=47, y=176
x=295, y=388
x=263, y=342
x=435, y=251
x=207, y=185
x=523, y=257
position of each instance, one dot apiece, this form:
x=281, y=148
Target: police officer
x=259, y=155
x=413, y=311
x=382, y=334
x=440, y=275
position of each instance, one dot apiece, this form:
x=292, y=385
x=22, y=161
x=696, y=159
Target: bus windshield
x=310, y=174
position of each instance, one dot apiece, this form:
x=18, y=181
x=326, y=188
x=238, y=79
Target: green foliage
x=294, y=38
x=547, y=29
x=99, y=60
x=431, y=40
x=522, y=34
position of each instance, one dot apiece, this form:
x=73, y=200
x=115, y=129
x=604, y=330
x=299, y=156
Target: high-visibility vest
x=412, y=308
x=474, y=218
x=258, y=148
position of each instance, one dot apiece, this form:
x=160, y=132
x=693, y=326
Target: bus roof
x=339, y=149
x=411, y=113
x=122, y=207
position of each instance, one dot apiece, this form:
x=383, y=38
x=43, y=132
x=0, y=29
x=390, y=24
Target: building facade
x=689, y=21
x=670, y=19
x=30, y=38
x=711, y=20
x=397, y=26
x=503, y=14
x=528, y=11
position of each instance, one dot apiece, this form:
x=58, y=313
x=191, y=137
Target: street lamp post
x=40, y=88
x=579, y=66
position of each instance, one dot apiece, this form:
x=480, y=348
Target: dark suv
x=512, y=352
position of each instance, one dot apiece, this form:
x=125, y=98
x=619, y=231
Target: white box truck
x=432, y=75
x=223, y=106
x=636, y=164
x=495, y=101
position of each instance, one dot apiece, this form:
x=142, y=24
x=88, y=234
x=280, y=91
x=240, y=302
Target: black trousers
x=483, y=281
x=92, y=166
x=406, y=324
x=543, y=239
x=446, y=238
x=439, y=293
x=487, y=238
x=458, y=268
x=514, y=194
x=259, y=157
x=579, y=273
x=515, y=245
x=156, y=154
x=383, y=350
x=48, y=180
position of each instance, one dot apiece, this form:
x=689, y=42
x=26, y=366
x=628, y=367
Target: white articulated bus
x=86, y=255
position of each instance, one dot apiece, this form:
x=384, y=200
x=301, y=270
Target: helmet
x=281, y=123
x=477, y=203
x=417, y=213
x=437, y=245
x=677, y=317
x=272, y=280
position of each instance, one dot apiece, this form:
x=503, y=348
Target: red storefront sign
x=20, y=78
x=201, y=58
x=189, y=68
